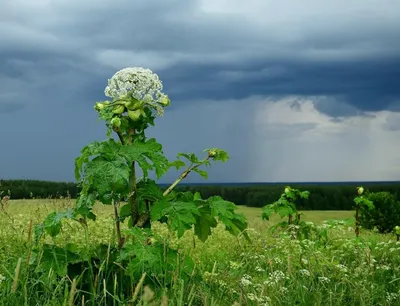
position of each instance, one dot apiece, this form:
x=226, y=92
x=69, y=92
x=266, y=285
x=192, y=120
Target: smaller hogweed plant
x=397, y=232
x=108, y=171
x=285, y=206
x=361, y=201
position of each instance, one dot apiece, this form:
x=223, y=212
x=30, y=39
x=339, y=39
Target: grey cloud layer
x=349, y=51
x=56, y=57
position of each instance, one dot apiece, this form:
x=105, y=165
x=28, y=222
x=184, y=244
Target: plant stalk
x=357, y=230
x=183, y=176
x=118, y=225
x=132, y=187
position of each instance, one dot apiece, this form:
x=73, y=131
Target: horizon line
x=242, y=182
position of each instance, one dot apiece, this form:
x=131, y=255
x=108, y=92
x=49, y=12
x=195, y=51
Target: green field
x=330, y=267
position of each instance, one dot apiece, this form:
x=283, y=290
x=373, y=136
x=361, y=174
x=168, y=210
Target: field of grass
x=330, y=266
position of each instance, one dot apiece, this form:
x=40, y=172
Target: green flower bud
x=116, y=122
x=165, y=101
x=287, y=190
x=212, y=153
x=360, y=190
x=119, y=109
x=134, y=115
x=133, y=105
x=98, y=106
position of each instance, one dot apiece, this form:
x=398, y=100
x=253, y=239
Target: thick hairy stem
x=132, y=187
x=121, y=138
x=357, y=230
x=183, y=176
x=118, y=225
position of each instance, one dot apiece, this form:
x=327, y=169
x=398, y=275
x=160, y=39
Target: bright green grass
x=271, y=270
x=253, y=215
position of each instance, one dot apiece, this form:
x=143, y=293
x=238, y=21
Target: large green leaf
x=108, y=177
x=181, y=215
x=52, y=224
x=225, y=211
x=148, y=155
x=204, y=222
x=84, y=205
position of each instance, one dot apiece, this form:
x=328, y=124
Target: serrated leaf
x=204, y=222
x=225, y=211
x=181, y=215
x=203, y=173
x=86, y=152
x=221, y=207
x=196, y=196
x=84, y=205
x=52, y=224
x=190, y=157
x=149, y=190
x=177, y=164
x=107, y=177
x=108, y=149
x=148, y=155
x=267, y=212
x=220, y=155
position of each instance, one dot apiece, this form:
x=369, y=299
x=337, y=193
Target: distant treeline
x=324, y=196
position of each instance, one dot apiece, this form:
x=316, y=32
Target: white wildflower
x=305, y=272
x=342, y=268
x=391, y=296
x=324, y=279
x=246, y=280
x=235, y=265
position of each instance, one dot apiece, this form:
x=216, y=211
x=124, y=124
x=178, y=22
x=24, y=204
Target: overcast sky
x=293, y=90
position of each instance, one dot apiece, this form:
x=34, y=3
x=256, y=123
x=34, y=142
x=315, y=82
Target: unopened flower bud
x=134, y=115
x=212, y=153
x=287, y=190
x=116, y=122
x=360, y=190
x=98, y=106
x=165, y=101
x=119, y=109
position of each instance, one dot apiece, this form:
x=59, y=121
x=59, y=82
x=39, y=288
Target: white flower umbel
x=139, y=83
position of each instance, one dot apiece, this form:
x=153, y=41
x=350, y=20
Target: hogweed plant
x=285, y=206
x=108, y=171
x=397, y=232
x=360, y=200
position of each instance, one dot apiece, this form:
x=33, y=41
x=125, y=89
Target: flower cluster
x=139, y=83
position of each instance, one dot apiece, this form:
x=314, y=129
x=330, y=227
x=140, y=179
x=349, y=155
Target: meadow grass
x=330, y=267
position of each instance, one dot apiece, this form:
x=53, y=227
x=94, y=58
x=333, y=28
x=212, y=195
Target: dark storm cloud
x=217, y=57
x=56, y=57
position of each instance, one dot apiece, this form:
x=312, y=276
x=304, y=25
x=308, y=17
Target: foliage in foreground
x=282, y=270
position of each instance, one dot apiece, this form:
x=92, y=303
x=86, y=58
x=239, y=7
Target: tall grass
x=273, y=269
